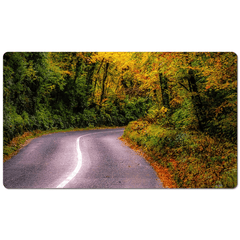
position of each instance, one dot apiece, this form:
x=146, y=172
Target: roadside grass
x=21, y=141
x=192, y=159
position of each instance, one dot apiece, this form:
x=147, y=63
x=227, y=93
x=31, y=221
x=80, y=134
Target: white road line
x=79, y=156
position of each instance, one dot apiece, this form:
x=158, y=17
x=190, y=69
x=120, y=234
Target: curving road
x=81, y=159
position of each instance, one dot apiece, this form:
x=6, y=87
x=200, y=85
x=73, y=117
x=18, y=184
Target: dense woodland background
x=185, y=94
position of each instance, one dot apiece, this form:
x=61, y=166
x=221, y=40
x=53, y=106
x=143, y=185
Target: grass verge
x=189, y=159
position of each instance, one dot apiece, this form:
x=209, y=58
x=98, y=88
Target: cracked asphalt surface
x=106, y=163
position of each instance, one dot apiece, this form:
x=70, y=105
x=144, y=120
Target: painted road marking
x=79, y=157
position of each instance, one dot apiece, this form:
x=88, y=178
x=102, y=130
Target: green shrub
x=44, y=119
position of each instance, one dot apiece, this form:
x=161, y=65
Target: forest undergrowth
x=193, y=160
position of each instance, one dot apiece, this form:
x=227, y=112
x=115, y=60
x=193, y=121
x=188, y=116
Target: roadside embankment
x=185, y=159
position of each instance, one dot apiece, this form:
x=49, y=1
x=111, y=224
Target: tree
x=71, y=89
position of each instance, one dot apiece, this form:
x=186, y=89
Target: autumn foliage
x=193, y=160
x=188, y=96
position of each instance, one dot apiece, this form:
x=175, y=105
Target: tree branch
x=183, y=86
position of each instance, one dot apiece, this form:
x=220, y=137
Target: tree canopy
x=180, y=90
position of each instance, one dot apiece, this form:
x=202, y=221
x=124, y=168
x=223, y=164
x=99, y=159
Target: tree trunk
x=164, y=89
x=78, y=68
x=103, y=82
x=196, y=100
x=96, y=80
x=90, y=74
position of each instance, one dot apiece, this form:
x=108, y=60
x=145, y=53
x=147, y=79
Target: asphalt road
x=82, y=159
